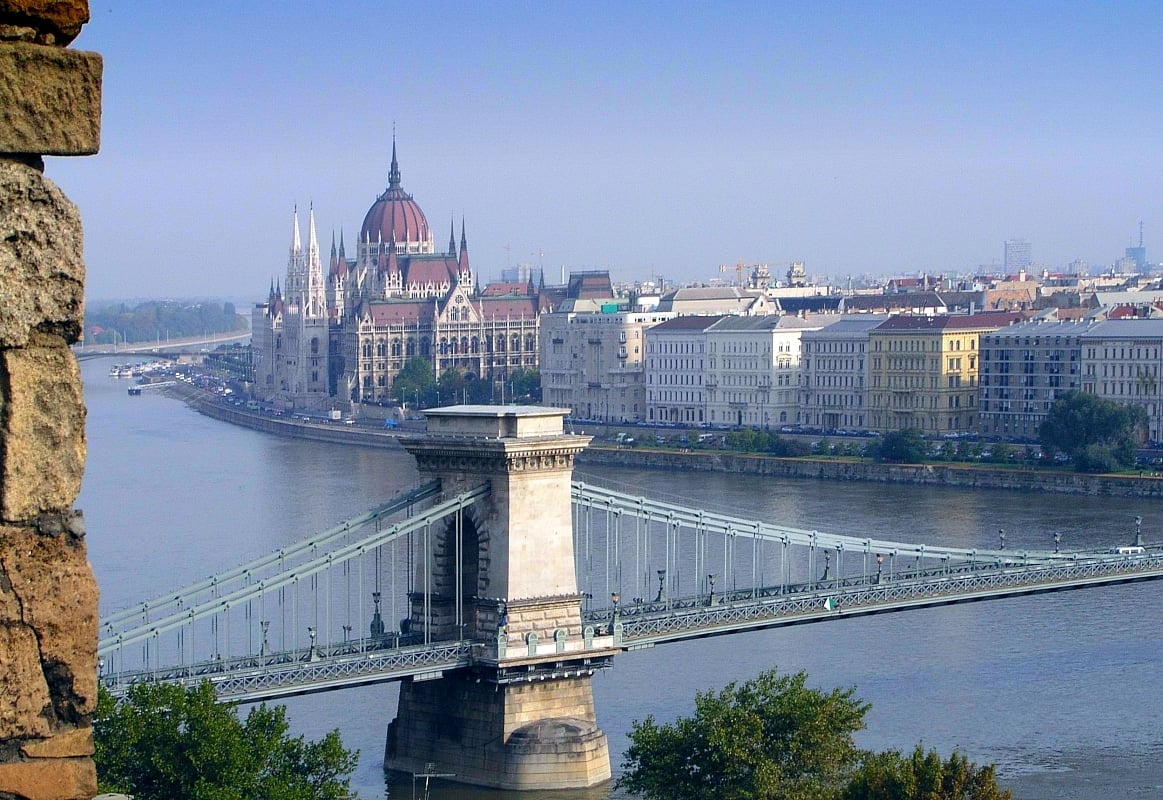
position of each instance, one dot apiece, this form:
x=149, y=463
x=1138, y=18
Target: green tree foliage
x=749, y=440
x=922, y=776
x=415, y=383
x=1099, y=435
x=164, y=319
x=905, y=446
x=526, y=385
x=165, y=742
x=774, y=738
x=456, y=387
x=771, y=737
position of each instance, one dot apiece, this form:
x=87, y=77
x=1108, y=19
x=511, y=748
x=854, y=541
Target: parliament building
x=338, y=338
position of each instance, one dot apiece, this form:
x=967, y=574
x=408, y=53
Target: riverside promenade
x=961, y=476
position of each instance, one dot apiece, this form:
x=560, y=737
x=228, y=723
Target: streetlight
x=879, y=565
x=1001, y=535
x=827, y=563
x=661, y=591
x=311, y=652
x=711, y=595
x=1057, y=541
x=1138, y=531
x=346, y=633
x=265, y=648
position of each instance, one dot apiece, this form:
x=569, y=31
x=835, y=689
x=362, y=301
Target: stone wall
x=961, y=476
x=50, y=100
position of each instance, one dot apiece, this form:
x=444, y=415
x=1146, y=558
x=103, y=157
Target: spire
x=315, y=301
x=333, y=246
x=341, y=253
x=463, y=241
x=452, y=237
x=394, y=172
x=296, y=246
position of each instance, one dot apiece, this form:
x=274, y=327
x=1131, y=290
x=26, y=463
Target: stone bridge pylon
x=523, y=716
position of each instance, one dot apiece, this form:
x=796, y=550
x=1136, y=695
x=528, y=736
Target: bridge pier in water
x=522, y=717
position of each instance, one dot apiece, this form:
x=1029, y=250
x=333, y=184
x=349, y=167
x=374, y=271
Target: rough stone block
x=41, y=779
x=22, y=684
x=55, y=21
x=42, y=441
x=50, y=100
x=53, y=585
x=42, y=272
x=67, y=744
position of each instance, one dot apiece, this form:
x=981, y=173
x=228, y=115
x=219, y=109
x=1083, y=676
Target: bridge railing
x=142, y=613
x=183, y=618
x=702, y=616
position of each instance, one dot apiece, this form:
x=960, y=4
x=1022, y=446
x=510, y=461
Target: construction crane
x=753, y=270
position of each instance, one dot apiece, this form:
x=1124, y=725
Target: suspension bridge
x=503, y=572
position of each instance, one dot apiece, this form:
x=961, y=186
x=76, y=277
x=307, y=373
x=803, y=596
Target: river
x=1064, y=692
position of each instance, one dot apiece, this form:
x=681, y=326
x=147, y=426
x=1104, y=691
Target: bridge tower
x=522, y=717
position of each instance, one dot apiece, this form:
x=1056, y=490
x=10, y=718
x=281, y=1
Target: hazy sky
x=644, y=138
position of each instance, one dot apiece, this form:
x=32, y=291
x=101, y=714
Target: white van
x=1129, y=550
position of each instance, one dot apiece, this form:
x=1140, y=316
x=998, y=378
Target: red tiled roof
x=397, y=312
x=506, y=307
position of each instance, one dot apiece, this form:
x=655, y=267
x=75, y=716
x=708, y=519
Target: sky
x=646, y=138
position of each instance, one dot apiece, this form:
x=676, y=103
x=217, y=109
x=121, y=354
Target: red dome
x=394, y=214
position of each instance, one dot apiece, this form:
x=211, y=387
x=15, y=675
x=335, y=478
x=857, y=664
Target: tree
x=1099, y=435
x=922, y=776
x=905, y=446
x=415, y=382
x=168, y=742
x=526, y=385
x=771, y=737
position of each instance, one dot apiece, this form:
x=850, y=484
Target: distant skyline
x=643, y=138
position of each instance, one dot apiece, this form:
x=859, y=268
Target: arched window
x=314, y=345
x=410, y=348
x=476, y=345
x=395, y=348
x=516, y=343
x=367, y=349
x=530, y=342
x=425, y=347
x=381, y=348
x=501, y=344
x=464, y=344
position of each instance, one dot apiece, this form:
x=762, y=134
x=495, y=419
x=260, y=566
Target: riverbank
x=212, y=406
x=962, y=476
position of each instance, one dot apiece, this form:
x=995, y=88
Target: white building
x=676, y=369
x=834, y=374
x=592, y=355
x=1122, y=360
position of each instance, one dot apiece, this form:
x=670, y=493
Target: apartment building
x=1122, y=360
x=676, y=366
x=834, y=369
x=592, y=355
x=923, y=371
x=1023, y=369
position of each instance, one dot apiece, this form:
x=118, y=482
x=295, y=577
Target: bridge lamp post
x=346, y=633
x=661, y=598
x=879, y=565
x=1057, y=541
x=1001, y=535
x=1138, y=531
x=265, y=648
x=615, y=599
x=711, y=591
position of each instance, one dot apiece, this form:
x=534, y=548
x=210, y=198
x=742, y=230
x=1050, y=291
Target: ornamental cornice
x=459, y=460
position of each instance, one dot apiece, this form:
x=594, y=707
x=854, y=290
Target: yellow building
x=923, y=371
